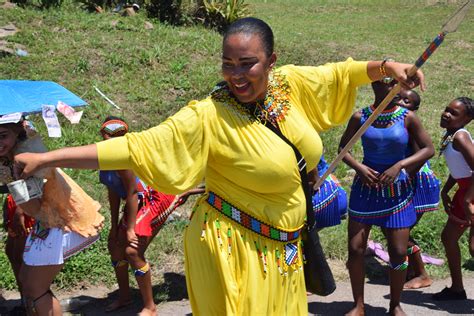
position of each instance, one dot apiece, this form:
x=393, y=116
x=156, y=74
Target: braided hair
x=467, y=102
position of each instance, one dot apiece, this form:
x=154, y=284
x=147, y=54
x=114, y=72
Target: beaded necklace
x=387, y=117
x=447, y=138
x=272, y=109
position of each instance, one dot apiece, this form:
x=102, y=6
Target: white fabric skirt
x=51, y=246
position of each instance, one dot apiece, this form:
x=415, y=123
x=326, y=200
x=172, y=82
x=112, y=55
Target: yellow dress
x=231, y=270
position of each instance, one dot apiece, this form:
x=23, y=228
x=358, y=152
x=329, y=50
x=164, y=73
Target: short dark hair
x=467, y=102
x=416, y=99
x=256, y=26
x=111, y=117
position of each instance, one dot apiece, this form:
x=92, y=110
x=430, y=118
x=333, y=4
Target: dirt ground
x=91, y=300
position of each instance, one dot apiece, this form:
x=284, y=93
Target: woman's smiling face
x=8, y=139
x=246, y=66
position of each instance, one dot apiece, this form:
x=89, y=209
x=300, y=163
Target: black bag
x=317, y=273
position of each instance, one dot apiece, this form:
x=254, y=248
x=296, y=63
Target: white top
x=457, y=165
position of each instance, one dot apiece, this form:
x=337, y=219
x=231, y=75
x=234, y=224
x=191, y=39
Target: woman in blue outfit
x=330, y=200
x=382, y=192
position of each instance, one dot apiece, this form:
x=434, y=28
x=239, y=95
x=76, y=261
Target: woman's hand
x=447, y=202
x=132, y=238
x=399, y=72
x=367, y=175
x=391, y=174
x=26, y=164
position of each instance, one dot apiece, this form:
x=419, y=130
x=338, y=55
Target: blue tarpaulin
x=29, y=96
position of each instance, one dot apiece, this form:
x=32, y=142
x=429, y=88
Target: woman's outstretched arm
x=82, y=157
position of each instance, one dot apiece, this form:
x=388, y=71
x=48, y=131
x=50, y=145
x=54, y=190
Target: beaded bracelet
x=385, y=77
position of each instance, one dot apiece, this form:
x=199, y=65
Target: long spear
x=450, y=26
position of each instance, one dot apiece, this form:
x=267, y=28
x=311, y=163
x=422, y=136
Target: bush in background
x=93, y=5
x=216, y=14
x=219, y=14
x=21, y=3
x=42, y=4
x=167, y=11
x=47, y=4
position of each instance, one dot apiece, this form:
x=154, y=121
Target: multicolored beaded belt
x=250, y=222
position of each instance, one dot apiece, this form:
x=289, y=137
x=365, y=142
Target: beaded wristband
x=385, y=77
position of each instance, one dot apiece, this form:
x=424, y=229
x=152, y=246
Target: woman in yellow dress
x=242, y=245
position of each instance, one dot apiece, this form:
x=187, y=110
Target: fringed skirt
x=52, y=246
x=329, y=203
x=427, y=187
x=152, y=213
x=387, y=206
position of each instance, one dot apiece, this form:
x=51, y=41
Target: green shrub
x=219, y=14
x=174, y=12
x=47, y=4
x=21, y=3
x=92, y=5
x=216, y=14
x=42, y=4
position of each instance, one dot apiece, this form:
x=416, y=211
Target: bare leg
x=358, y=234
x=421, y=277
x=450, y=237
x=36, y=281
x=136, y=257
x=117, y=254
x=397, y=240
x=14, y=249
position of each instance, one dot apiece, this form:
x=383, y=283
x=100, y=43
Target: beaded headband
x=114, y=128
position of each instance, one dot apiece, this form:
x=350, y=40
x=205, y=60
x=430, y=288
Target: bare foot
x=356, y=311
x=418, y=282
x=397, y=311
x=148, y=311
x=118, y=304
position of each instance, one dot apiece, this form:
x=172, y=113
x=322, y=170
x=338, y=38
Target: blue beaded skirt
x=389, y=206
x=329, y=203
x=427, y=188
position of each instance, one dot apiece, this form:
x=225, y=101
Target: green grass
x=152, y=73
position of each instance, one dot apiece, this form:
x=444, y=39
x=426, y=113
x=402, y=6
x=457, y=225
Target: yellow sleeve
x=326, y=94
x=170, y=157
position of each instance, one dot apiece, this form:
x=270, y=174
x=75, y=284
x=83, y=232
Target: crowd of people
x=243, y=252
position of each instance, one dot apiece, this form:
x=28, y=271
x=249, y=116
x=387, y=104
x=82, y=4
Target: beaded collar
x=387, y=117
x=272, y=109
x=447, y=138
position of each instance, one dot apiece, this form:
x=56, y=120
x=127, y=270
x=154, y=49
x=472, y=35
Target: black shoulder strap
x=310, y=218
